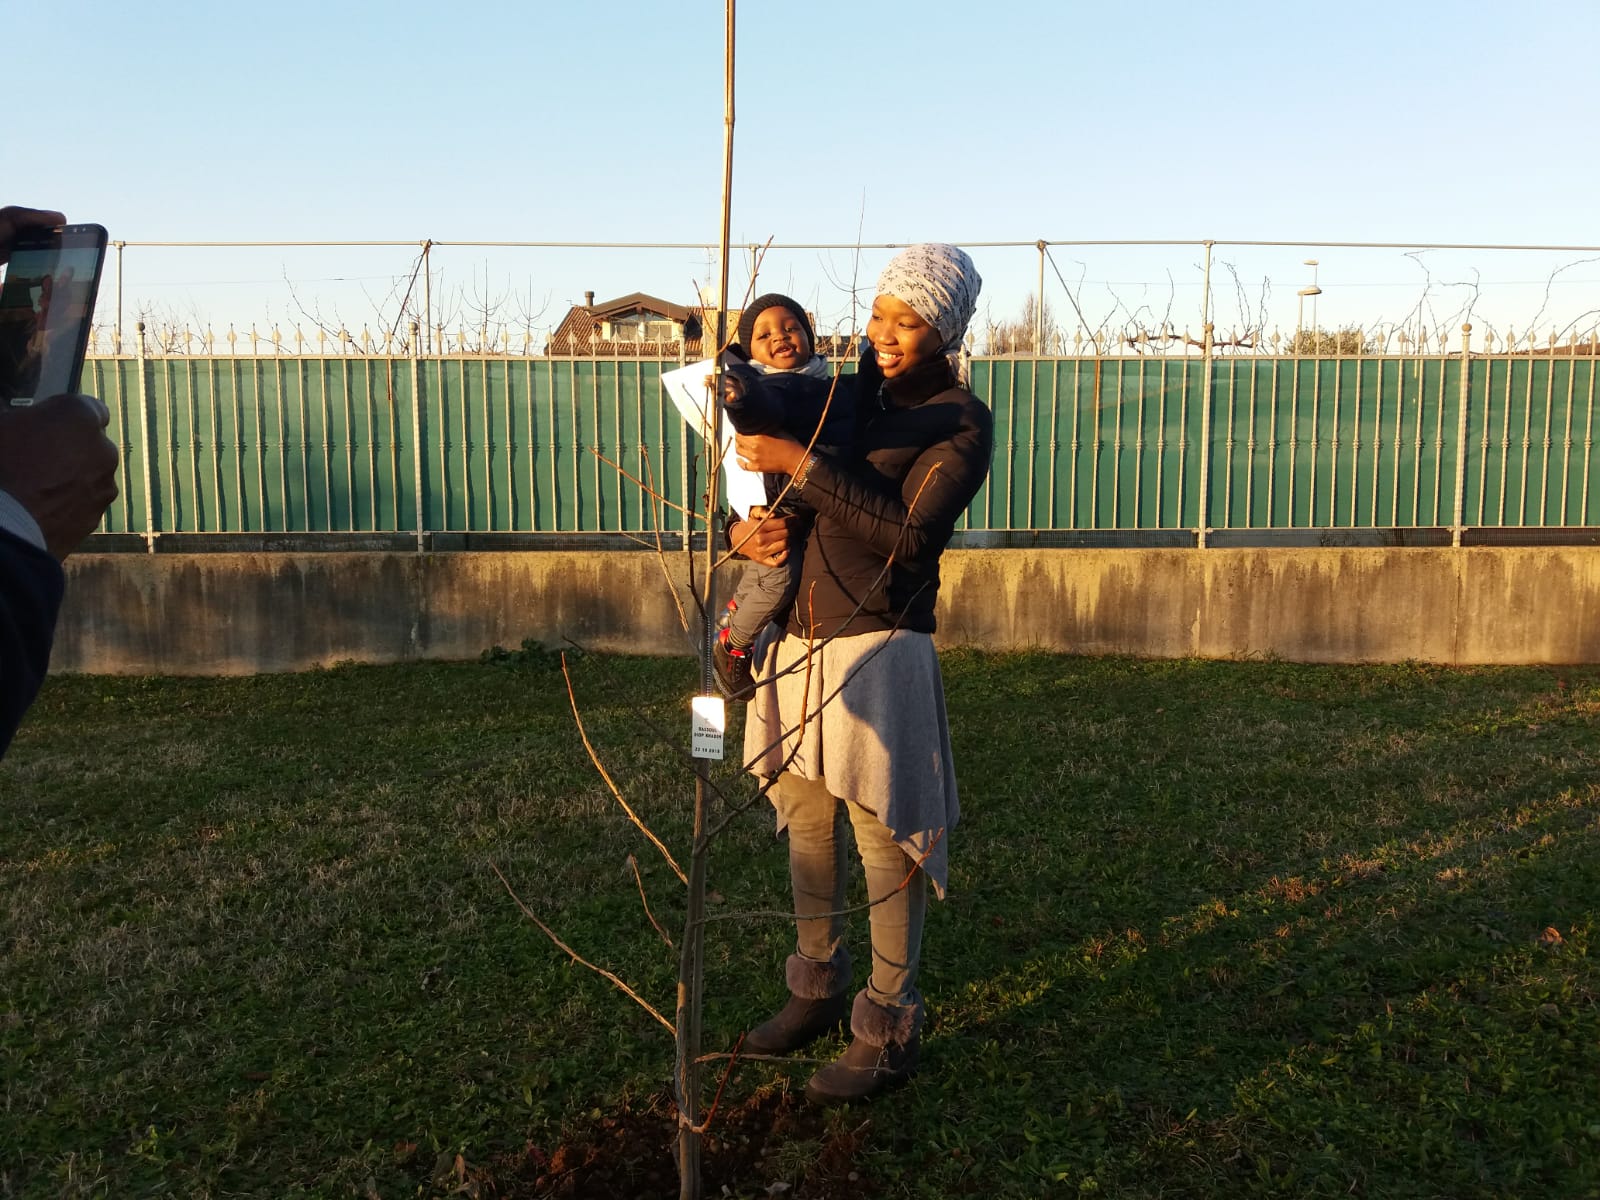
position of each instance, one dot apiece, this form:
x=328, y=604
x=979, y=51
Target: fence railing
x=1063, y=297
x=1195, y=450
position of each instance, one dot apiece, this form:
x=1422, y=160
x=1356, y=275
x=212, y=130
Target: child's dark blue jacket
x=794, y=403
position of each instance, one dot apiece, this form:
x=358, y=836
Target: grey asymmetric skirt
x=874, y=728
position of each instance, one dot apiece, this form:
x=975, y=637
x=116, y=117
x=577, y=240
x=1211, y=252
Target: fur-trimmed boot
x=818, y=1000
x=881, y=1054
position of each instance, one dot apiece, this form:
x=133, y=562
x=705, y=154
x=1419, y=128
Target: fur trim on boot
x=882, y=1053
x=879, y=1025
x=817, y=1005
x=813, y=980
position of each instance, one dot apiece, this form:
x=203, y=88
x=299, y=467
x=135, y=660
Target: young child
x=785, y=387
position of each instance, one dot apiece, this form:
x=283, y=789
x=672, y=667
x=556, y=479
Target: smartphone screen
x=46, y=305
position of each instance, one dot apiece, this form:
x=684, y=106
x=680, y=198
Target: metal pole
x=117, y=336
x=144, y=448
x=1315, y=292
x=1458, y=519
x=427, y=292
x=1300, y=311
x=416, y=431
x=1038, y=308
x=1207, y=366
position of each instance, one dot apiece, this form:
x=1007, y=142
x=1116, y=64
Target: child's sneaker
x=731, y=665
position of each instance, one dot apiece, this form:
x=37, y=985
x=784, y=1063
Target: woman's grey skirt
x=866, y=713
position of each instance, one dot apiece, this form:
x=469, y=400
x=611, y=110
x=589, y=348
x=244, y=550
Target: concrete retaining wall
x=1479, y=605
x=242, y=613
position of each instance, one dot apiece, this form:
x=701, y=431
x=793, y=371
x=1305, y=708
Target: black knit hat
x=747, y=319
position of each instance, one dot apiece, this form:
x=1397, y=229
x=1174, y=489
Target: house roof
x=578, y=335
x=579, y=331
x=639, y=302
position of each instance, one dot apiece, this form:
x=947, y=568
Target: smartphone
x=46, y=305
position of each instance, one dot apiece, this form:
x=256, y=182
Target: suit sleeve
x=915, y=522
x=31, y=585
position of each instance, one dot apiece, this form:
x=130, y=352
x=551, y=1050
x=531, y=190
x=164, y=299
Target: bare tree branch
x=648, y=487
x=711, y=1115
x=578, y=958
x=838, y=912
x=639, y=879
x=595, y=758
x=661, y=555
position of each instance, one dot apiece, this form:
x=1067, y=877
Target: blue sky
x=880, y=123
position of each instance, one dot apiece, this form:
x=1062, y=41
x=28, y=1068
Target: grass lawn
x=1215, y=929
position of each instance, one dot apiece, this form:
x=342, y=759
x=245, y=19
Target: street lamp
x=1313, y=291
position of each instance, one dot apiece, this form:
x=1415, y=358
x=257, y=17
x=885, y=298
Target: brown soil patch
x=773, y=1144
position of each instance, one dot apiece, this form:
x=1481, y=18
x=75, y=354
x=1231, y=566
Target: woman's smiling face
x=901, y=339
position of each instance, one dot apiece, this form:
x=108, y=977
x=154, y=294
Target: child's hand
x=732, y=386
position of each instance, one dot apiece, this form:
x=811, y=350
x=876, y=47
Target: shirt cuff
x=18, y=521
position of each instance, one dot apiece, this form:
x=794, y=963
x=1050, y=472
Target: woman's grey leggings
x=815, y=819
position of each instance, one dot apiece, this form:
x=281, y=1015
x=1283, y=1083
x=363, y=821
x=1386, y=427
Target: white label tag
x=707, y=720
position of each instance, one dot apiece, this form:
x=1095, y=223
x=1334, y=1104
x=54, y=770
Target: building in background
x=643, y=326
x=632, y=326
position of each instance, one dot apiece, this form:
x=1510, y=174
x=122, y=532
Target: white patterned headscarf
x=937, y=282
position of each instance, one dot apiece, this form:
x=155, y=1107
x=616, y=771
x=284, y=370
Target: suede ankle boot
x=882, y=1053
x=818, y=1001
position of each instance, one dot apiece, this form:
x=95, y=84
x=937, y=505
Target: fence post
x=1038, y=310
x=1459, y=516
x=117, y=338
x=144, y=447
x=427, y=291
x=416, y=430
x=1207, y=367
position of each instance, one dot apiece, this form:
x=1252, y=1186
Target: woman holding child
x=856, y=665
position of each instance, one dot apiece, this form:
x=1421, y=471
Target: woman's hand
x=777, y=453
x=761, y=539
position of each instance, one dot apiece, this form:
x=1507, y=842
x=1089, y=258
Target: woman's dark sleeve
x=916, y=522
x=31, y=584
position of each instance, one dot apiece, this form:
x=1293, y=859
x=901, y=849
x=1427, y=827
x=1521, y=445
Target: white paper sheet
x=686, y=387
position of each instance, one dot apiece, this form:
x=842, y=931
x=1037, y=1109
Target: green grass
x=1215, y=929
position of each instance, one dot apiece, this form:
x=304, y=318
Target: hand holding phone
x=46, y=306
x=57, y=462
x=14, y=218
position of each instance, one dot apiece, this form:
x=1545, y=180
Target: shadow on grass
x=1215, y=929
x=1320, y=966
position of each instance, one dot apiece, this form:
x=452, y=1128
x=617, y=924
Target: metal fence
x=391, y=445
x=1056, y=296
x=1456, y=445
x=1196, y=450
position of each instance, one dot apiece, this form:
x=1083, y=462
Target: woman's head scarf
x=937, y=282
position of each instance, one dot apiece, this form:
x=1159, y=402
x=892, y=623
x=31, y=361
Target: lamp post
x=1299, y=320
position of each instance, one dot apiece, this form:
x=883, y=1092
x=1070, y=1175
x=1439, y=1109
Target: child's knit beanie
x=747, y=319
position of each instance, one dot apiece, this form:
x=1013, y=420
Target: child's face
x=778, y=340
x=901, y=339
